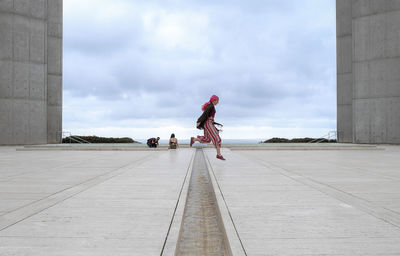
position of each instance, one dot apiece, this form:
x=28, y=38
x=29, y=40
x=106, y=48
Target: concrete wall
x=30, y=71
x=344, y=71
x=374, y=44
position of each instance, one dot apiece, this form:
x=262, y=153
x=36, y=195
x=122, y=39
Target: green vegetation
x=299, y=140
x=95, y=139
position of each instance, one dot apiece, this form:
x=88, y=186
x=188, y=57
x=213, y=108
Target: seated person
x=173, y=142
x=153, y=142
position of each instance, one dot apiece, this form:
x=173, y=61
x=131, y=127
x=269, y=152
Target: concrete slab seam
x=23, y=15
x=172, y=236
x=202, y=229
x=375, y=14
x=5, y=179
x=89, y=149
x=375, y=59
x=43, y=204
x=234, y=240
x=380, y=175
x=388, y=216
x=301, y=149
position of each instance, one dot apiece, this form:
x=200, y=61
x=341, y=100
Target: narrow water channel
x=202, y=232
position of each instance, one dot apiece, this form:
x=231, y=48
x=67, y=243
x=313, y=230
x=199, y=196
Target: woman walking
x=206, y=122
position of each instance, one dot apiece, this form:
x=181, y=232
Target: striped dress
x=211, y=133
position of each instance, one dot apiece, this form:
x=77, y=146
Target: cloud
x=128, y=59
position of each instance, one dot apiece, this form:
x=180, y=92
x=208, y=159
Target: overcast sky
x=143, y=68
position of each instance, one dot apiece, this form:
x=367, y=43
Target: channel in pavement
x=202, y=231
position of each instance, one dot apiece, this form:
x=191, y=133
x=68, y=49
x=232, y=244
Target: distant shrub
x=298, y=140
x=276, y=140
x=95, y=139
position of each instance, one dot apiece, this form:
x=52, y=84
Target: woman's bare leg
x=218, y=150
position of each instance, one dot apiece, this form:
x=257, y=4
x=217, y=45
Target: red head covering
x=213, y=98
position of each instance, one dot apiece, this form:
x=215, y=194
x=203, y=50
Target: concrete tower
x=368, y=71
x=30, y=71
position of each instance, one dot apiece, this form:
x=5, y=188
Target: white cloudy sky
x=143, y=68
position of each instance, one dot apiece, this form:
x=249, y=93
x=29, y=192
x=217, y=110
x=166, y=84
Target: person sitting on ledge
x=153, y=142
x=173, y=142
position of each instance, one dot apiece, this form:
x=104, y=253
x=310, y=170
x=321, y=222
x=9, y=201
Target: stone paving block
x=377, y=79
x=119, y=216
x=369, y=37
x=22, y=7
x=21, y=77
x=37, y=41
x=8, y=205
x=6, y=121
x=54, y=55
x=6, y=34
x=344, y=56
x=311, y=222
x=374, y=7
x=55, y=29
x=29, y=36
x=23, y=196
x=328, y=246
x=345, y=123
x=131, y=212
x=392, y=5
x=368, y=7
x=54, y=90
x=344, y=17
x=37, y=121
x=21, y=35
x=345, y=89
x=54, y=124
x=38, y=9
x=37, y=90
x=6, y=5
x=6, y=79
x=375, y=120
x=392, y=43
x=55, y=11
x=20, y=122
x=55, y=24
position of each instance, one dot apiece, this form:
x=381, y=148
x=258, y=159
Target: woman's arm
x=206, y=114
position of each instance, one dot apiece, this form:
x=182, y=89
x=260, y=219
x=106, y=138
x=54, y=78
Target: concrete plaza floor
x=279, y=202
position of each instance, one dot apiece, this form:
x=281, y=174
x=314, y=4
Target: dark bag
x=219, y=126
x=200, y=126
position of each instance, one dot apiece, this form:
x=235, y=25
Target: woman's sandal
x=221, y=157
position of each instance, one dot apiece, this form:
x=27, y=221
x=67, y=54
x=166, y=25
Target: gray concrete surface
x=258, y=146
x=368, y=77
x=313, y=202
x=88, y=203
x=344, y=70
x=202, y=231
x=30, y=71
x=273, y=202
